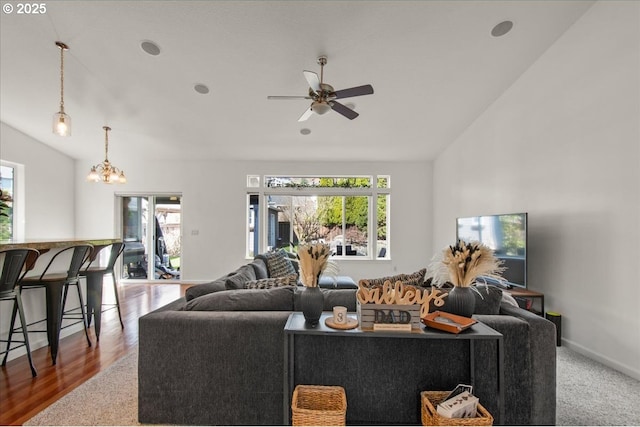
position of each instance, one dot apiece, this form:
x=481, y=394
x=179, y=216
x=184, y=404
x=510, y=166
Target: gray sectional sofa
x=216, y=358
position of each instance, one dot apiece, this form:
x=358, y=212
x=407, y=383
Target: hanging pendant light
x=61, y=120
x=105, y=171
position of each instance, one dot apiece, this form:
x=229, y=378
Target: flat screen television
x=506, y=235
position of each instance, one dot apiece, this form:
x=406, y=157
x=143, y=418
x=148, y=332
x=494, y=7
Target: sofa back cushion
x=240, y=277
x=332, y=297
x=206, y=288
x=274, y=299
x=260, y=268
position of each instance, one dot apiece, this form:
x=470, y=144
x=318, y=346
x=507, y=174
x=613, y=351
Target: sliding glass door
x=151, y=230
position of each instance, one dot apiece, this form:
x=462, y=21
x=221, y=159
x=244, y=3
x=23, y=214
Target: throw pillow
x=278, y=263
x=241, y=276
x=275, y=299
x=272, y=282
x=488, y=299
x=413, y=279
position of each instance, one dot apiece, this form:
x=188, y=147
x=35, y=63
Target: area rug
x=110, y=398
x=588, y=393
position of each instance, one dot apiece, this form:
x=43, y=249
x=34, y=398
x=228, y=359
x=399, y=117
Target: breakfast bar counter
x=54, y=290
x=43, y=245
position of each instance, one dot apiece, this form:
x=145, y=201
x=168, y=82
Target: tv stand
x=526, y=293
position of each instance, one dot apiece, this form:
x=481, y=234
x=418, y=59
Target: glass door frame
x=150, y=236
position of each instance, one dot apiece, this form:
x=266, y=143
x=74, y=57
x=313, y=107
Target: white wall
x=49, y=186
x=563, y=144
x=214, y=203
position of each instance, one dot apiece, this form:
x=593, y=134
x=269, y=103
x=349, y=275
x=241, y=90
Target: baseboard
x=613, y=364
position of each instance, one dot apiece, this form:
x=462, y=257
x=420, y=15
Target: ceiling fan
x=324, y=97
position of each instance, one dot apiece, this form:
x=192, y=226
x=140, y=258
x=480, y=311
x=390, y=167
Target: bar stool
x=95, y=275
x=56, y=279
x=15, y=264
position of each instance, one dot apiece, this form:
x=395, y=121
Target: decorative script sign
x=394, y=307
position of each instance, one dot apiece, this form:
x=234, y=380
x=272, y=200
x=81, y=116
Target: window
x=12, y=201
x=348, y=213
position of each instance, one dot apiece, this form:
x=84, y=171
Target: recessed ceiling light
x=150, y=47
x=350, y=105
x=305, y=131
x=502, y=28
x=200, y=88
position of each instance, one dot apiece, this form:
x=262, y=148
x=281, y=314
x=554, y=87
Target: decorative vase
x=312, y=300
x=461, y=301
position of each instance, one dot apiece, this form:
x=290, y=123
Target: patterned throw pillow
x=413, y=279
x=273, y=282
x=278, y=263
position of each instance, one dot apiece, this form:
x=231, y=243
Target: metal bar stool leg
x=115, y=292
x=11, y=328
x=83, y=317
x=25, y=333
x=19, y=310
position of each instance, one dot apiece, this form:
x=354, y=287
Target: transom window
x=350, y=213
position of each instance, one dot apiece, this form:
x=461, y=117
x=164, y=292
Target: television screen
x=506, y=235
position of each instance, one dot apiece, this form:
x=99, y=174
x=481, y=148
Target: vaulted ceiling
x=434, y=66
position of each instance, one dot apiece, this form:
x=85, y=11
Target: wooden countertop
x=42, y=245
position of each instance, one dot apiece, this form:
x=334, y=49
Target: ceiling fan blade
x=287, y=97
x=345, y=111
x=313, y=80
x=353, y=91
x=306, y=115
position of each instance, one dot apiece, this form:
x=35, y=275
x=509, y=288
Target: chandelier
x=62, y=121
x=105, y=171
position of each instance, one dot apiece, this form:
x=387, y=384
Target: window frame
x=256, y=186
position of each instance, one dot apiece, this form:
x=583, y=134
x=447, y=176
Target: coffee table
x=297, y=326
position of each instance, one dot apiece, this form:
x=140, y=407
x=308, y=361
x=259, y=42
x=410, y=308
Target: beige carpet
x=109, y=398
x=588, y=393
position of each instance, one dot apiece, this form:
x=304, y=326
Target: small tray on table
x=448, y=322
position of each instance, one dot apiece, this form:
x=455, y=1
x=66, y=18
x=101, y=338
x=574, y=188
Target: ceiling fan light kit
x=324, y=96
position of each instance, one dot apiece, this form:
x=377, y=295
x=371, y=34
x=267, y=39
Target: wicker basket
x=430, y=416
x=317, y=405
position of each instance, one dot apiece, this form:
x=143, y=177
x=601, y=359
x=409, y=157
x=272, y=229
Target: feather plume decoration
x=463, y=263
x=313, y=259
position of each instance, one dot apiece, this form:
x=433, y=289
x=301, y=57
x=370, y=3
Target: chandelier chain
x=106, y=143
x=61, y=78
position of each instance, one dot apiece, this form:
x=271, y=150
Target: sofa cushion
x=260, y=268
x=272, y=282
x=206, y=288
x=278, y=263
x=240, y=277
x=274, y=299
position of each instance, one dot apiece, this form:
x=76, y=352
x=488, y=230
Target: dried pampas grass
x=463, y=263
x=313, y=259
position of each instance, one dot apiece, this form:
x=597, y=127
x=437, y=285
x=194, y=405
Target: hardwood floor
x=22, y=397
